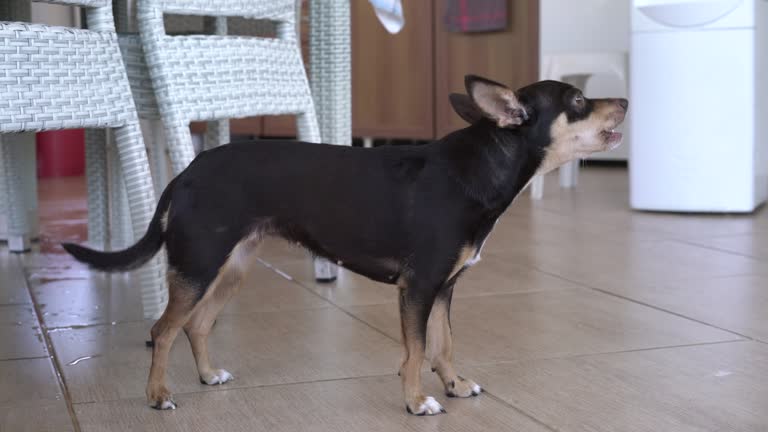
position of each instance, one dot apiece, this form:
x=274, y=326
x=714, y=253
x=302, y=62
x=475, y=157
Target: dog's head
x=553, y=116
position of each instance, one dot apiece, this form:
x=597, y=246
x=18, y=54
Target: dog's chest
x=469, y=255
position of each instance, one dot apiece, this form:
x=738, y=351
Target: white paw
x=429, y=407
x=461, y=387
x=220, y=376
x=164, y=405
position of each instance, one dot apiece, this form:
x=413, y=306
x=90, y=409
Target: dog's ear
x=496, y=101
x=465, y=108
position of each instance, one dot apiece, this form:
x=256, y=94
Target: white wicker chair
x=141, y=84
x=60, y=78
x=214, y=77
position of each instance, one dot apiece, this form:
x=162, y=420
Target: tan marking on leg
x=466, y=254
x=226, y=285
x=440, y=353
x=410, y=370
x=181, y=300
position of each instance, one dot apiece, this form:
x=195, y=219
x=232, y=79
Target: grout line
x=15, y=304
x=658, y=348
x=642, y=303
x=53, y=357
x=717, y=249
x=519, y=410
x=24, y=358
x=742, y=337
x=224, y=388
x=311, y=291
x=604, y=353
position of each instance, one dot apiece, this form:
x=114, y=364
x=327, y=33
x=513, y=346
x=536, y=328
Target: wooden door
x=393, y=75
x=510, y=57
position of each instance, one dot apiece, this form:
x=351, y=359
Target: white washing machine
x=699, y=102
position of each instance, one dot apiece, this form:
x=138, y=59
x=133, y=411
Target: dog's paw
x=462, y=387
x=218, y=376
x=160, y=399
x=425, y=406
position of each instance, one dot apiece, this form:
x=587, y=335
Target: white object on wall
x=390, y=14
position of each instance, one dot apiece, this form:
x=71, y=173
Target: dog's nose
x=623, y=103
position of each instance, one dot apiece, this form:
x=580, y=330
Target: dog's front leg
x=440, y=347
x=415, y=303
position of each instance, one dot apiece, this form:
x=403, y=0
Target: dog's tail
x=136, y=255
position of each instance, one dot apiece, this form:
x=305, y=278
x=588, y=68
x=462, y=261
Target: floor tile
x=492, y=275
x=736, y=303
x=526, y=327
x=30, y=397
x=13, y=288
x=20, y=334
x=370, y=404
x=43, y=267
x=104, y=299
x=613, y=266
x=38, y=417
x=28, y=380
x=552, y=324
x=110, y=362
x=751, y=244
x=602, y=197
x=721, y=387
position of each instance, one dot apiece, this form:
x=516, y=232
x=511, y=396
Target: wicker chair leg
x=158, y=157
x=330, y=73
x=180, y=146
x=120, y=233
x=141, y=199
x=96, y=176
x=17, y=160
x=217, y=134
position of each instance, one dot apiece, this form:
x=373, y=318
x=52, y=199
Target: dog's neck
x=492, y=164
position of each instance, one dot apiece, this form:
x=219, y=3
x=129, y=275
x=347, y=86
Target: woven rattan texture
x=232, y=76
x=56, y=78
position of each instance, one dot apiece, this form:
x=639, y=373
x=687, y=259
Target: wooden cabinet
x=401, y=83
x=392, y=75
x=510, y=57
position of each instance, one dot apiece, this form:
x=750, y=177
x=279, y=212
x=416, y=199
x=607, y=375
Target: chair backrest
x=211, y=77
x=61, y=77
x=556, y=66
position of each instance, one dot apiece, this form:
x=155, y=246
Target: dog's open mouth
x=611, y=137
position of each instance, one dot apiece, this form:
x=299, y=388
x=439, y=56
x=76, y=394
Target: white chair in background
x=576, y=69
x=43, y=86
x=218, y=77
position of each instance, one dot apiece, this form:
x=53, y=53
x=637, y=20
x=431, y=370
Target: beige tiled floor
x=582, y=316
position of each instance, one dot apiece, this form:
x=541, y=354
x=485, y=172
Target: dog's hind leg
x=440, y=346
x=226, y=284
x=181, y=300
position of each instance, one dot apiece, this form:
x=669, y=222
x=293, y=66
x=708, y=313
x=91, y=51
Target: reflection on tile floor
x=582, y=316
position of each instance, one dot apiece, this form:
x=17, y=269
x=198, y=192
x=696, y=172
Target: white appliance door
x=686, y=13
x=692, y=102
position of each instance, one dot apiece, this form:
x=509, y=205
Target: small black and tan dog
x=414, y=216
